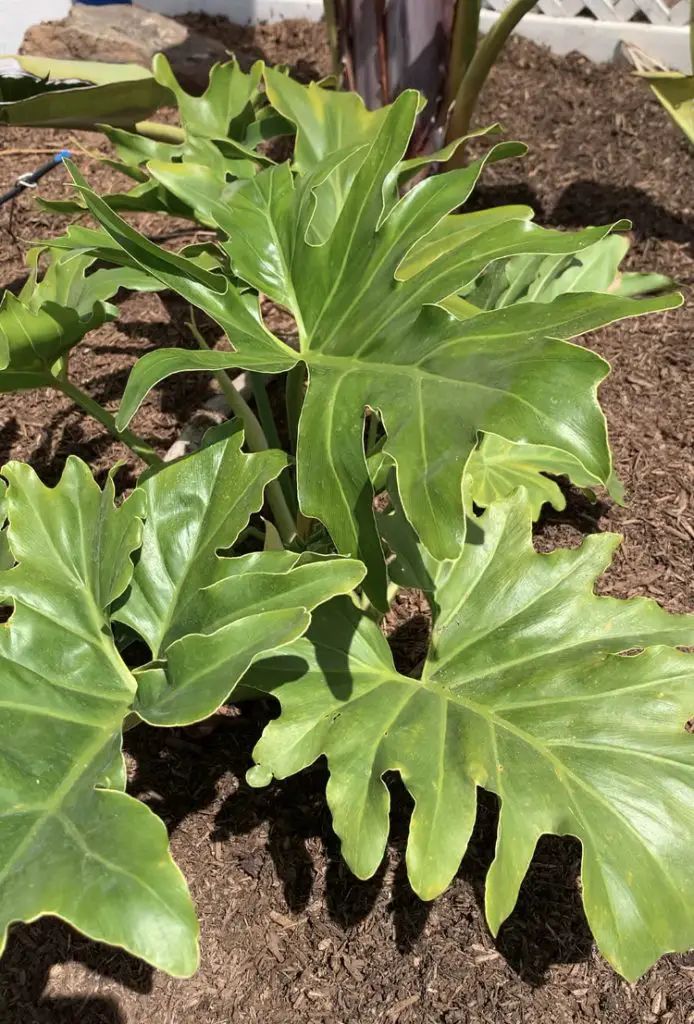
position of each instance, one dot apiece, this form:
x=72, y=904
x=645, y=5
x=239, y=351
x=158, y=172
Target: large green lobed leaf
x=72, y=843
x=374, y=335
x=93, y=856
x=528, y=690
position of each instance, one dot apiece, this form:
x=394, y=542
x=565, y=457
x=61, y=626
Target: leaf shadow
x=587, y=201
x=609, y=202
x=30, y=958
x=289, y=823
x=8, y=436
x=548, y=925
x=581, y=517
x=17, y=283
x=62, y=435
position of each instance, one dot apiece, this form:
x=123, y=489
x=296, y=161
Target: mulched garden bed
x=288, y=934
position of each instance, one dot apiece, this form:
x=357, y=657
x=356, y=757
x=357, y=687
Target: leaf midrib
x=388, y=246
x=164, y=625
x=84, y=760
x=495, y=721
x=414, y=373
x=346, y=246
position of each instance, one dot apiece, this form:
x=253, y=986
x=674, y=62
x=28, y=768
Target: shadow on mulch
x=649, y=219
x=58, y=435
x=177, y=777
x=547, y=927
x=568, y=527
x=606, y=201
x=34, y=951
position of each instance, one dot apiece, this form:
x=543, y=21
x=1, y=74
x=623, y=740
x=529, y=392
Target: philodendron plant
x=223, y=130
x=434, y=370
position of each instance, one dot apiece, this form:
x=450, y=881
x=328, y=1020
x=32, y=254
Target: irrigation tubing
x=30, y=179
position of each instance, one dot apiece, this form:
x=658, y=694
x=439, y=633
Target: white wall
x=16, y=16
x=241, y=11
x=601, y=40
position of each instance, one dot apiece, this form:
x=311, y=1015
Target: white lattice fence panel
x=596, y=28
x=657, y=12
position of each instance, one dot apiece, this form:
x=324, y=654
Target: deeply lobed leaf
x=204, y=616
x=372, y=335
x=72, y=843
x=93, y=856
x=528, y=691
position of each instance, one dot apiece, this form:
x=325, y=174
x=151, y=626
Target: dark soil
x=287, y=933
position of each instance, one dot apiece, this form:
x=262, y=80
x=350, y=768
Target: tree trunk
x=389, y=45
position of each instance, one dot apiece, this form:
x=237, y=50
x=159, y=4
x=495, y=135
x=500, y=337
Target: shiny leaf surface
x=93, y=856
x=206, y=616
x=528, y=691
x=72, y=843
x=372, y=335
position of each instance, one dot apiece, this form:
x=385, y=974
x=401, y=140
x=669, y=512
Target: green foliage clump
x=435, y=371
